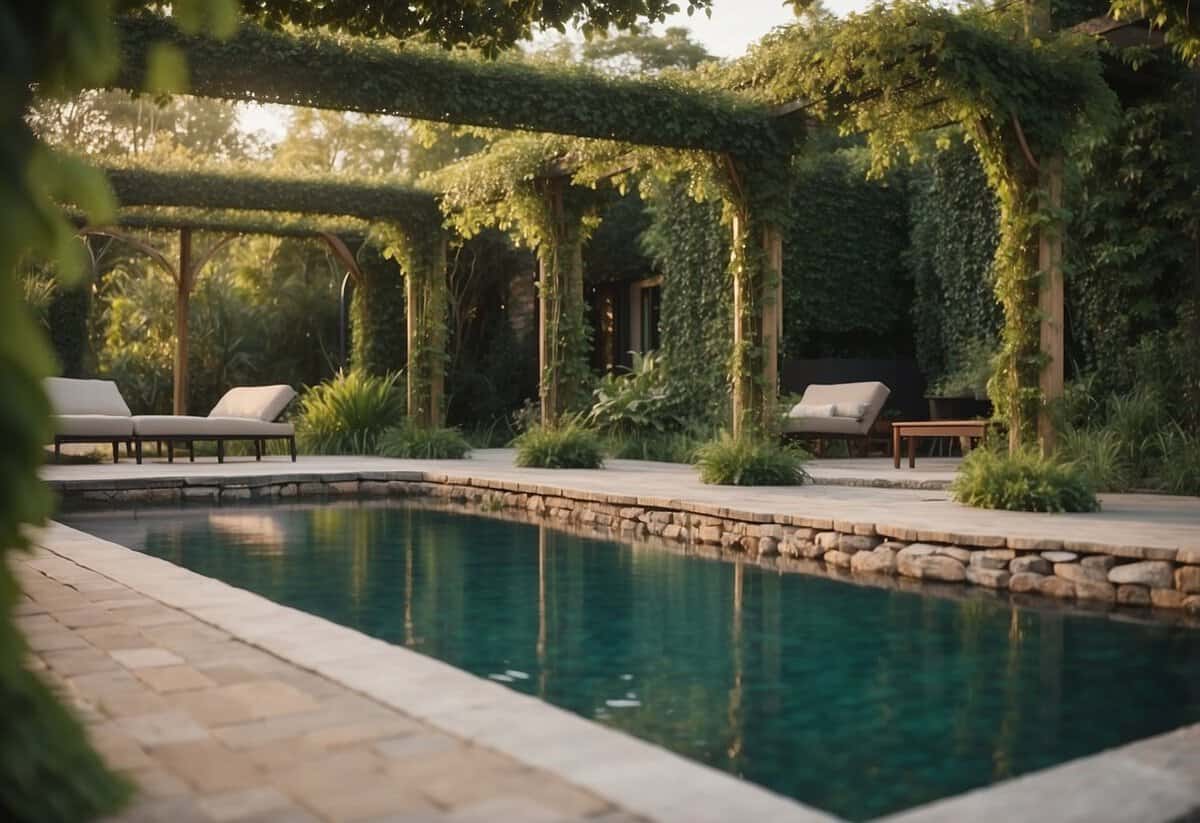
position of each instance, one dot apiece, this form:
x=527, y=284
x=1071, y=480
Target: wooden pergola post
x=1050, y=302
x=424, y=308
x=772, y=318
x=560, y=304
x=183, y=290
x=757, y=327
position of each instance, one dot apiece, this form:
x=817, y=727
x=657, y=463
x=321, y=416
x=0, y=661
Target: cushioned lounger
x=844, y=410
x=88, y=411
x=244, y=413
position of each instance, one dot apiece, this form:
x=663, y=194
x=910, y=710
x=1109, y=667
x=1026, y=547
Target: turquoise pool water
x=856, y=700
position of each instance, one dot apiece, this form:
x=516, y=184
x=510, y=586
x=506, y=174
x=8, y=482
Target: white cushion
x=199, y=428
x=92, y=425
x=257, y=402
x=71, y=396
x=855, y=410
x=813, y=410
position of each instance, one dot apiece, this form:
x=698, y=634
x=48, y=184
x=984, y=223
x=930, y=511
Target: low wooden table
x=914, y=431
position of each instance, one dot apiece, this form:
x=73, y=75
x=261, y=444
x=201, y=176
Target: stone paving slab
x=206, y=700
x=1127, y=520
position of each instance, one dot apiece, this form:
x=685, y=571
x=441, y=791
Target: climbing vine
x=898, y=73
x=419, y=248
x=408, y=80
x=541, y=190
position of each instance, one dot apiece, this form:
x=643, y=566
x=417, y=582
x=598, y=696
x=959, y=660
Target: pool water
x=857, y=700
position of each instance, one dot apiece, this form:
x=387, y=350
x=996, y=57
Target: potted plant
x=961, y=393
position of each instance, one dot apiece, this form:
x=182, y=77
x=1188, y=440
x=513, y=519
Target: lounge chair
x=244, y=413
x=843, y=410
x=89, y=411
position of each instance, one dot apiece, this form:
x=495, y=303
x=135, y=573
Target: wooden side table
x=914, y=431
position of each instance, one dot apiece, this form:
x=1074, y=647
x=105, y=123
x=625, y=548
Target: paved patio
x=213, y=729
x=852, y=493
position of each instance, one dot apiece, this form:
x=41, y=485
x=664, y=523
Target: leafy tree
x=489, y=25
x=638, y=52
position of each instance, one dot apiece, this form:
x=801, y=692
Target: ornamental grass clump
x=348, y=414
x=569, y=445
x=409, y=440
x=751, y=460
x=1023, y=481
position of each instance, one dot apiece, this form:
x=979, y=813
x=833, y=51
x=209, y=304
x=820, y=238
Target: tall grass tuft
x=409, y=440
x=751, y=460
x=569, y=445
x=1100, y=456
x=1179, y=469
x=349, y=413
x=1022, y=481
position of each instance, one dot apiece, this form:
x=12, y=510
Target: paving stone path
x=213, y=729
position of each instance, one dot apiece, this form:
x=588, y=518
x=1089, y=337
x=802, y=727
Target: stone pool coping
x=1158, y=578
x=632, y=774
x=1154, y=780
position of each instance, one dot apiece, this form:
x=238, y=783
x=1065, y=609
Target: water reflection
x=857, y=700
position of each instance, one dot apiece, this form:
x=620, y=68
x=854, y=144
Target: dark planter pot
x=959, y=408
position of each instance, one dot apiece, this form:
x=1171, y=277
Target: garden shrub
x=1179, y=469
x=569, y=445
x=1022, y=481
x=1099, y=455
x=642, y=401
x=377, y=311
x=409, y=440
x=349, y=413
x=751, y=460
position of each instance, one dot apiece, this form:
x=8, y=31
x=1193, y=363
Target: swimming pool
x=857, y=700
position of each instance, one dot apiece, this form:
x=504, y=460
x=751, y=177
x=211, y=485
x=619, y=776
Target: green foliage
x=642, y=401
x=845, y=286
x=1022, y=481
x=1099, y=455
x=751, y=460
x=348, y=414
x=970, y=377
x=191, y=186
x=1134, y=230
x=413, y=441
x=636, y=52
x=569, y=445
x=1179, y=471
x=953, y=238
x=690, y=247
x=1175, y=18
x=378, y=344
x=489, y=26
x=378, y=77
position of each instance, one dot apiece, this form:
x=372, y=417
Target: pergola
x=264, y=65
x=747, y=142
x=332, y=211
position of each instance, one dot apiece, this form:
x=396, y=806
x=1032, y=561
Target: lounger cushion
x=200, y=428
x=866, y=398
x=256, y=402
x=813, y=410
x=85, y=397
x=99, y=426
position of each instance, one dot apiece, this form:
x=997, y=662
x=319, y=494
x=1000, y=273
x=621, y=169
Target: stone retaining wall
x=1090, y=573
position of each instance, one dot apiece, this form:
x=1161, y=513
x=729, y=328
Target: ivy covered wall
x=690, y=248
x=953, y=218
x=377, y=314
x=846, y=288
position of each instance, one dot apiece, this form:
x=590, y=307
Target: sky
x=733, y=26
